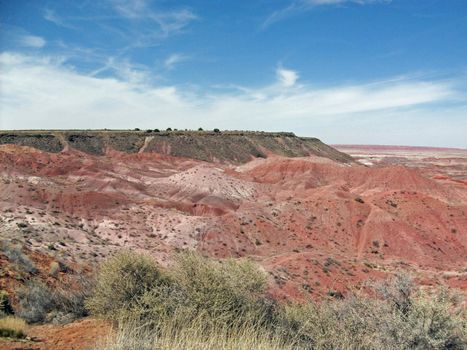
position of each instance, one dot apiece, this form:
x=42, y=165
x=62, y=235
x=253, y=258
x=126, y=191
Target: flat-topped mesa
x=214, y=146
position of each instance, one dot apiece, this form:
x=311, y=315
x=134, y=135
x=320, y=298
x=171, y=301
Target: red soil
x=314, y=225
x=79, y=335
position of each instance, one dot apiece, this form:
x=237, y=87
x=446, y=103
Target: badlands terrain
x=318, y=221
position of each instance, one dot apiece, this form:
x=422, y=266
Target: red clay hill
x=315, y=219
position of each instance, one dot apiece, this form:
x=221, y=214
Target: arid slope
x=316, y=225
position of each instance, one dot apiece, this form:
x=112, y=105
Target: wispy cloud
x=19, y=37
x=73, y=100
x=32, y=41
x=171, y=61
x=298, y=6
x=170, y=22
x=138, y=22
x=51, y=16
x=124, y=70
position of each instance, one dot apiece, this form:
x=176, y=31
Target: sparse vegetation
x=201, y=303
x=35, y=301
x=62, y=304
x=20, y=260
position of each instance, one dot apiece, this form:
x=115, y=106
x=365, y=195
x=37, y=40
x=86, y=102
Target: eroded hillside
x=315, y=224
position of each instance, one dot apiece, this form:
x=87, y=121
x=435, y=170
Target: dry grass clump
x=12, y=327
x=201, y=303
x=131, y=336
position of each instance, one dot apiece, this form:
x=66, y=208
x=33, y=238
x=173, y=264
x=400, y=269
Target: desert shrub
x=330, y=325
x=62, y=304
x=417, y=320
x=131, y=285
x=35, y=301
x=17, y=257
x=397, y=291
x=12, y=327
x=363, y=323
x=432, y=322
x=122, y=283
x=5, y=305
x=226, y=291
x=70, y=299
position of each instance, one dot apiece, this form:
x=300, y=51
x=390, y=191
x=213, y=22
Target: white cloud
x=172, y=60
x=124, y=70
x=298, y=6
x=19, y=37
x=73, y=100
x=32, y=41
x=287, y=77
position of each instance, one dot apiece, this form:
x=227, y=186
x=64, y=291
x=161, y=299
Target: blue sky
x=346, y=71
